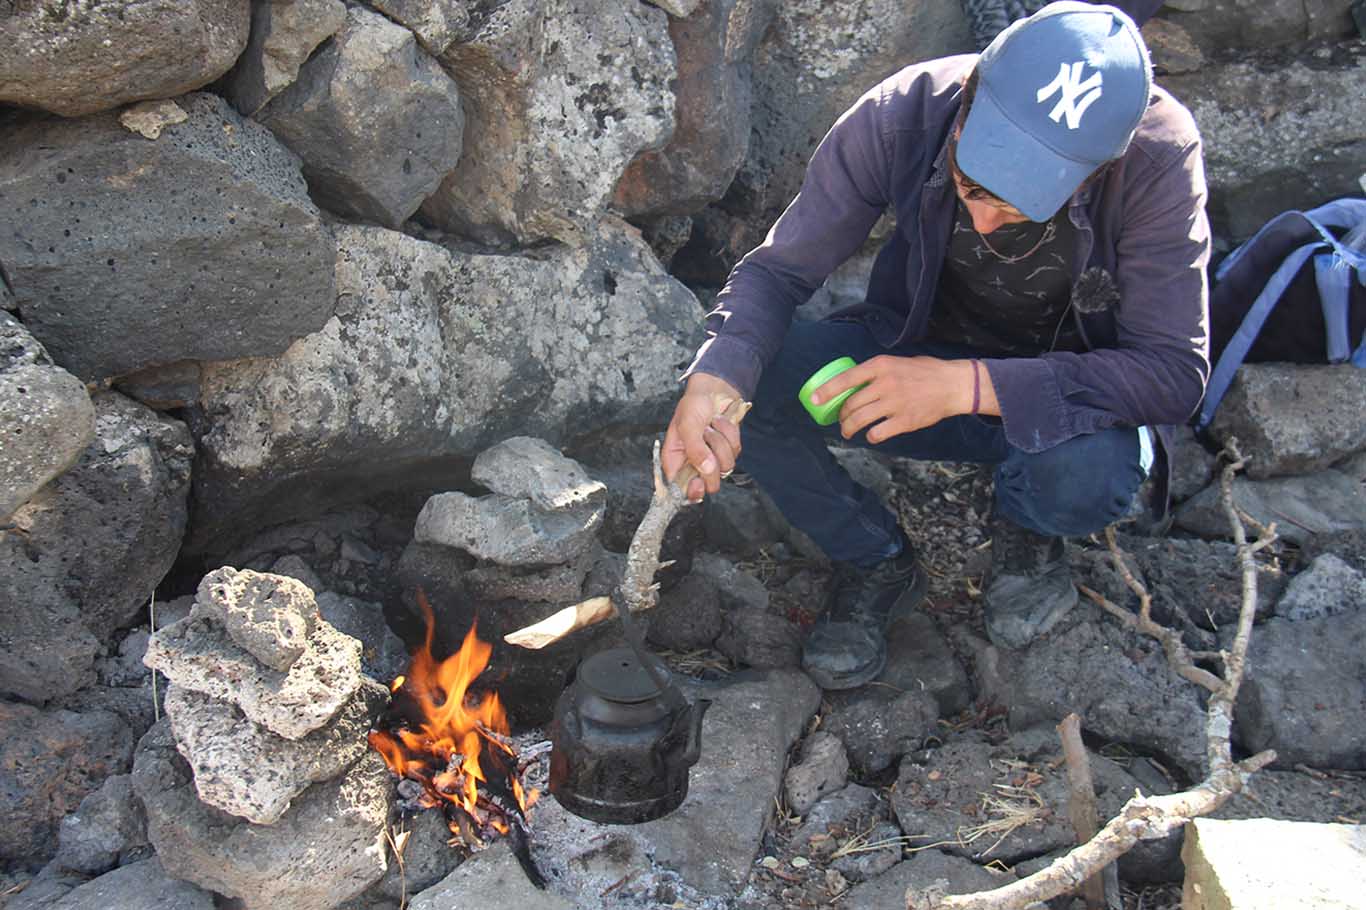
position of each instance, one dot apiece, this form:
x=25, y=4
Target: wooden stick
x=1081, y=800
x=637, y=590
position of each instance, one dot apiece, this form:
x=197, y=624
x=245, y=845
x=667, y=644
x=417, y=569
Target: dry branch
x=1142, y=817
x=1081, y=800
x=637, y=590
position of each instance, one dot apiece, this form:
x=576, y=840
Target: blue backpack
x=1295, y=292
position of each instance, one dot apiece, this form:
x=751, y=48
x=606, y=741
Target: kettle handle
x=693, y=750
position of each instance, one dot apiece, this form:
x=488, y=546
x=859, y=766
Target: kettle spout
x=693, y=751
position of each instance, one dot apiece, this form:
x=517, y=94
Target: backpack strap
x=1221, y=377
x=1337, y=262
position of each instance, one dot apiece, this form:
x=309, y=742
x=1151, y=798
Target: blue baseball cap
x=1058, y=94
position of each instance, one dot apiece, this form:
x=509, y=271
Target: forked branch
x=1142, y=817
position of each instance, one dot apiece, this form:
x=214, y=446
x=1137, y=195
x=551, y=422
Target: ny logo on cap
x=1077, y=95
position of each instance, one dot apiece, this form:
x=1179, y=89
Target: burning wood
x=451, y=747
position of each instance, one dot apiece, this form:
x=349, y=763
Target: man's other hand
x=905, y=394
x=695, y=437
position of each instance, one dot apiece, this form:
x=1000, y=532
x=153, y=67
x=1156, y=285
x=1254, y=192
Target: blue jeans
x=1071, y=490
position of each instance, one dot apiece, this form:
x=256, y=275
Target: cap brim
x=1014, y=165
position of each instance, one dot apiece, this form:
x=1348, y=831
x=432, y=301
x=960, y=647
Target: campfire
x=451, y=747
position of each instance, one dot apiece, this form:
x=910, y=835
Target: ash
x=595, y=865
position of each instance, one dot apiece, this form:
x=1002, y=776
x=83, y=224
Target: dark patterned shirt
x=1007, y=294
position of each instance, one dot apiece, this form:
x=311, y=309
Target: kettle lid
x=617, y=675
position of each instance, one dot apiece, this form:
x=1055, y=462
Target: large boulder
x=1116, y=680
x=561, y=95
x=200, y=244
x=1301, y=507
x=375, y=119
x=46, y=418
x=328, y=848
x=283, y=34
x=1304, y=691
x=1218, y=25
x=813, y=62
x=80, y=58
x=1281, y=131
x=49, y=762
x=714, y=46
x=1265, y=411
x=90, y=547
x=436, y=23
x=433, y=356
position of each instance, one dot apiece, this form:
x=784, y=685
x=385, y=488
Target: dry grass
x=1008, y=809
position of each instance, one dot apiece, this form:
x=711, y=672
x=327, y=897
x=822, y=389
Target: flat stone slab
x=491, y=873
x=142, y=885
x=1261, y=863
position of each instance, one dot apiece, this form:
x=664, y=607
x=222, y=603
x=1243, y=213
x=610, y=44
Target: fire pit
x=451, y=746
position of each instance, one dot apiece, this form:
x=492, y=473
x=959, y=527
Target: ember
x=450, y=746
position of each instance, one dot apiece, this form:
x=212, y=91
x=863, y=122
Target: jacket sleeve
x=1157, y=371
x=845, y=190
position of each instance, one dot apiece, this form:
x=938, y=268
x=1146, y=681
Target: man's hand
x=904, y=394
x=694, y=437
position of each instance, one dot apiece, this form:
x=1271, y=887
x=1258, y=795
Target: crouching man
x=1041, y=306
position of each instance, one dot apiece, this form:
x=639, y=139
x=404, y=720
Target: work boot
x=1029, y=587
x=848, y=645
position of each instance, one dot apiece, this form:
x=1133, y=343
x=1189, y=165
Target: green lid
x=829, y=412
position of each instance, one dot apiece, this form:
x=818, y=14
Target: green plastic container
x=828, y=413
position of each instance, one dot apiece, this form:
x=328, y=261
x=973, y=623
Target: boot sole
x=907, y=601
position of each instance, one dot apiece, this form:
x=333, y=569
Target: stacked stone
x=266, y=700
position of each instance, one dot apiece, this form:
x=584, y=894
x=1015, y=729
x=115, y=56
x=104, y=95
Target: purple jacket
x=1141, y=232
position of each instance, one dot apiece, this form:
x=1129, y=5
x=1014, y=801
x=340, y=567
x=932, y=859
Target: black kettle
x=623, y=739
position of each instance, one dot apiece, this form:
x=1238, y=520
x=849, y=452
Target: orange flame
x=444, y=753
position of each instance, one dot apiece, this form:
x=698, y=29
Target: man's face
x=988, y=212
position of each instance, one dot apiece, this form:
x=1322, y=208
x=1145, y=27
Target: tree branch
x=1144, y=818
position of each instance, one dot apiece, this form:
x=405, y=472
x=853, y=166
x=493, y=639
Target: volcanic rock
x=560, y=96
x=375, y=119
x=106, y=830
x=534, y=469
x=688, y=615
x=433, y=356
x=506, y=530
x=878, y=726
x=437, y=23
x=1328, y=587
x=283, y=34
x=49, y=762
x=1264, y=410
x=143, y=885
x=1318, y=503
x=837, y=818
x=271, y=616
x=244, y=769
x=46, y=418
x=824, y=768
x=1006, y=802
x=1260, y=134
x=427, y=858
x=494, y=871
x=383, y=655
x=89, y=547
x=202, y=244
x=198, y=653
x=760, y=639
x=1304, y=689
x=742, y=520
x=922, y=870
x=870, y=863
x=714, y=45
x=552, y=584
x=919, y=659
x=75, y=59
x=326, y=849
